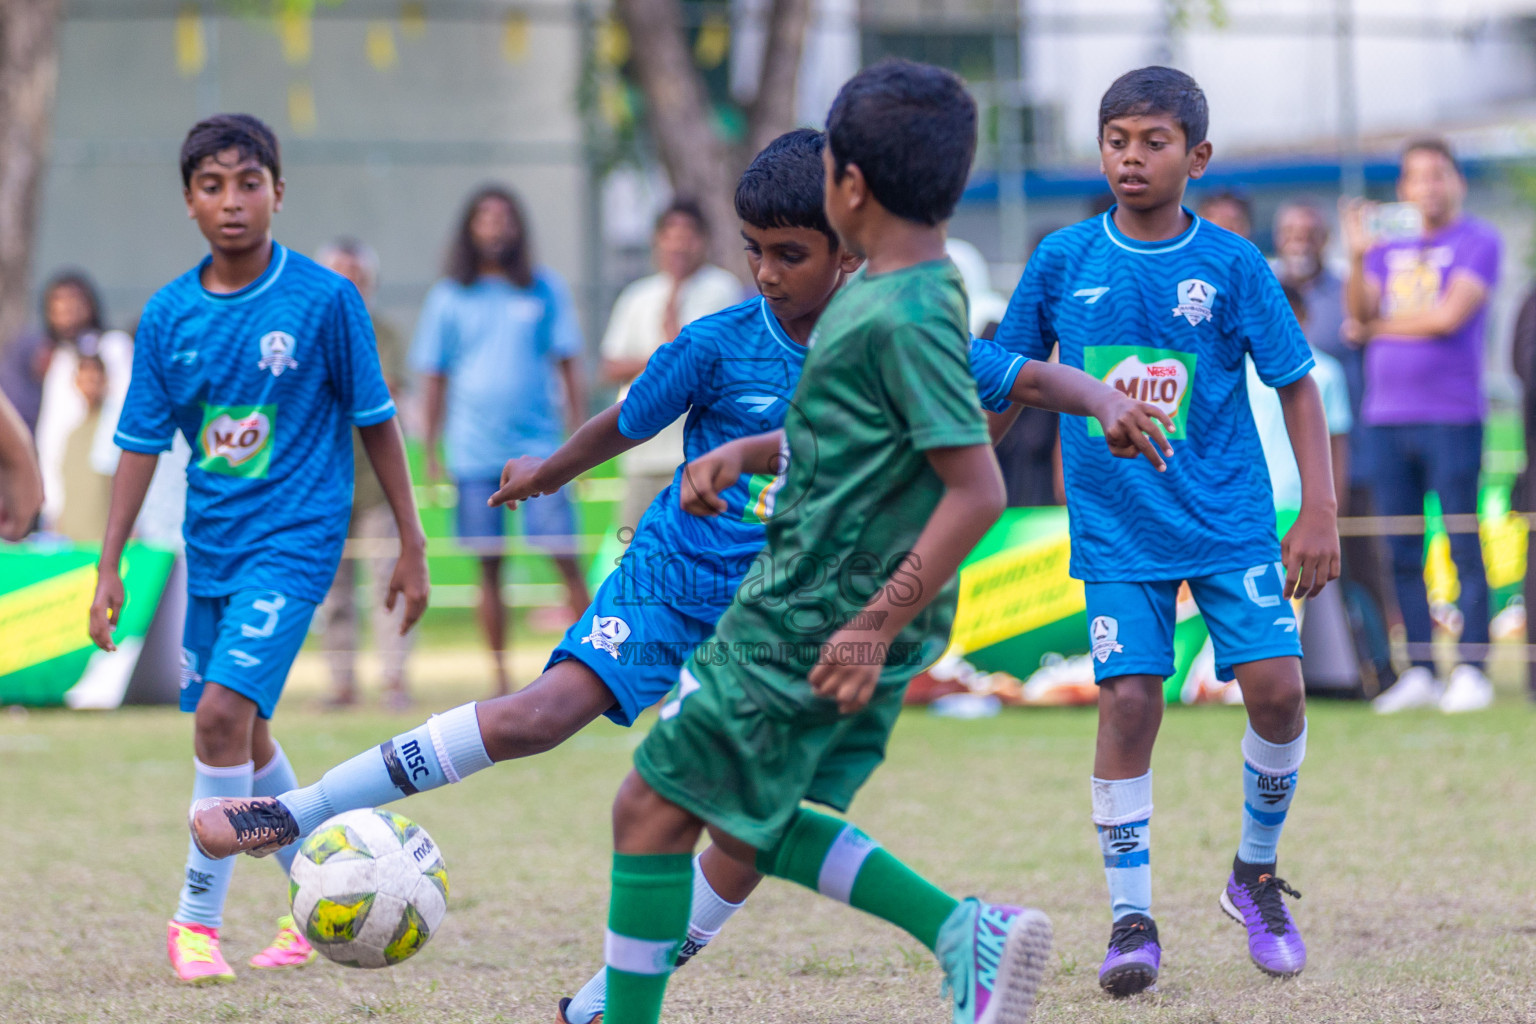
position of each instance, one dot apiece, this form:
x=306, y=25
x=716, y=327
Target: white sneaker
x=1416, y=688
x=1469, y=690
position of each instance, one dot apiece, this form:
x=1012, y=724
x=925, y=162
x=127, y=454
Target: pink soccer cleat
x=195, y=956
x=289, y=949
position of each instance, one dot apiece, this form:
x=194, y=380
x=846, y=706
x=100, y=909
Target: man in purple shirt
x=1420, y=306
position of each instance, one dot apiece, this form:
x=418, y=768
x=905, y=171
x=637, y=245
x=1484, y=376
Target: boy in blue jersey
x=732, y=374
x=1167, y=307
x=264, y=361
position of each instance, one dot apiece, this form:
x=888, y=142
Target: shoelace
x=195, y=947
x=1130, y=936
x=269, y=821
x=1266, y=897
x=288, y=938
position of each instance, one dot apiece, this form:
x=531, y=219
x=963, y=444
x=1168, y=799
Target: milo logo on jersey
x=236, y=440
x=1160, y=376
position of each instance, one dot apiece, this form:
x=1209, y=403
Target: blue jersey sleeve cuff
x=378, y=414
x=1292, y=377
x=634, y=433
x=142, y=445
x=999, y=400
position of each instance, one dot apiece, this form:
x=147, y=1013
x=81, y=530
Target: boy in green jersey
x=887, y=481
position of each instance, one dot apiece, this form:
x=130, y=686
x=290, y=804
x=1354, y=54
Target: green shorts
x=723, y=755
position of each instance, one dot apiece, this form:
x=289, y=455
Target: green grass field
x=1411, y=838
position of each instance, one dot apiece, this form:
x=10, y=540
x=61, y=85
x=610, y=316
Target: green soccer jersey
x=887, y=377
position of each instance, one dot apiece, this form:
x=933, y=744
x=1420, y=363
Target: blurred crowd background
x=445, y=155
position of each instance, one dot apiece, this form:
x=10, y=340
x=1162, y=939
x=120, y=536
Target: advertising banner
x=46, y=654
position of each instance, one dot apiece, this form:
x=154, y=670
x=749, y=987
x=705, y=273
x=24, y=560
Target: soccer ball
x=368, y=888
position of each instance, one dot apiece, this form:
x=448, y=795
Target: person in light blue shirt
x=500, y=350
x=263, y=361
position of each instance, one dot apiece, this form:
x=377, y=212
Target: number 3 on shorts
x=686, y=684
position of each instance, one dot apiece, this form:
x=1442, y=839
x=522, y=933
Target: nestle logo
x=1162, y=371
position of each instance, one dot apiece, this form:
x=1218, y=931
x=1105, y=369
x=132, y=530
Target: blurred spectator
x=83, y=517
x=82, y=395
x=21, y=485
x=372, y=519
x=500, y=348
x=1230, y=210
x=70, y=309
x=1301, y=239
x=647, y=314
x=1420, y=306
x=1523, y=355
x=1269, y=419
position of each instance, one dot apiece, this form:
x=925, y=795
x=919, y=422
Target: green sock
x=837, y=860
x=647, y=921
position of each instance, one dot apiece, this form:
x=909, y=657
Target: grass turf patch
x=1411, y=838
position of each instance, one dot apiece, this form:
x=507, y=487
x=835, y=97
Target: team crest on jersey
x=1196, y=297
x=1104, y=631
x=608, y=632
x=277, y=349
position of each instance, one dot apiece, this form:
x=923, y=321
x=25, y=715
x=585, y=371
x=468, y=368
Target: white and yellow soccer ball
x=368, y=888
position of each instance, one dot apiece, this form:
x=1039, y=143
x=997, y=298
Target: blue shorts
x=549, y=521
x=634, y=643
x=245, y=642
x=1130, y=625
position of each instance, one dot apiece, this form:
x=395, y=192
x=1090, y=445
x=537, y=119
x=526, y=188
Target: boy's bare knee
x=646, y=822
x=1275, y=697
x=1131, y=702
x=223, y=726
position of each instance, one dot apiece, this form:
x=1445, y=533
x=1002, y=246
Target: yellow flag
x=301, y=108
x=191, y=45
x=713, y=44
x=294, y=28
x=380, y=45
x=514, y=37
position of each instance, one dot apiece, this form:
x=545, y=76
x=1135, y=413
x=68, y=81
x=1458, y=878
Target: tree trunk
x=698, y=163
x=29, y=71
x=773, y=108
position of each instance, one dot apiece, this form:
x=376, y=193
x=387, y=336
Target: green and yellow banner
x=45, y=602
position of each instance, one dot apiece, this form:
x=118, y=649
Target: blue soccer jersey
x=733, y=374
x=265, y=385
x=1170, y=323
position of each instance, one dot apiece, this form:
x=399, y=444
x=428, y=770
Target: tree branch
x=773, y=107
x=29, y=71
x=677, y=109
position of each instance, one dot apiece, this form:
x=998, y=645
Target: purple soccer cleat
x=1273, y=940
x=1134, y=956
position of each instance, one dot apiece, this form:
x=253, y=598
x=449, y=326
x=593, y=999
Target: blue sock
x=1269, y=783
x=446, y=749
x=1122, y=810
x=271, y=779
x=207, y=880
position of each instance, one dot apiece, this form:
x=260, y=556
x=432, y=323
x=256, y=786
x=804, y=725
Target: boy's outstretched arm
x=386, y=451
x=973, y=499
x=1310, y=548
x=21, y=484
x=129, y=485
x=1130, y=427
x=718, y=469
x=590, y=445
